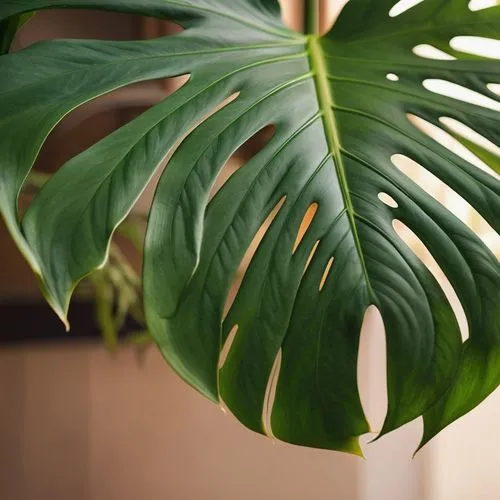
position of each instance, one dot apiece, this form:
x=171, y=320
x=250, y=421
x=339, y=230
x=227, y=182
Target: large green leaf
x=338, y=122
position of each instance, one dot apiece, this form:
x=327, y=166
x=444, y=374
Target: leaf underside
x=338, y=121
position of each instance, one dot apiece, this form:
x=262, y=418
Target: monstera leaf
x=284, y=357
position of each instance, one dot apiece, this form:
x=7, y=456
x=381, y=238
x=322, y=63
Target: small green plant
x=339, y=104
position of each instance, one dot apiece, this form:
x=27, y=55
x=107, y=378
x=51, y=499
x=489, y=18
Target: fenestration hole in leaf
x=242, y=155
x=430, y=52
x=227, y=346
x=326, y=273
x=392, y=77
x=449, y=142
x=388, y=200
x=371, y=369
x=494, y=87
x=450, y=199
x=475, y=5
x=425, y=256
x=304, y=225
x=270, y=395
x=143, y=95
x=247, y=258
x=311, y=255
x=464, y=131
x=81, y=24
x=255, y=144
x=477, y=45
x=403, y=6
x=93, y=121
x=455, y=91
x=144, y=203
x=99, y=117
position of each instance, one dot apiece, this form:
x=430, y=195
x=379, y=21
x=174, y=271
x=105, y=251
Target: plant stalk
x=311, y=17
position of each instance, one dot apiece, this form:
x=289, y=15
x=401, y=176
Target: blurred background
x=81, y=422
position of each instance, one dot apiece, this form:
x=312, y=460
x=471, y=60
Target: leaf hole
x=304, y=225
x=430, y=52
x=494, y=87
x=144, y=203
x=326, y=273
x=91, y=24
x=96, y=119
x=477, y=45
x=270, y=395
x=449, y=142
x=371, y=368
x=402, y=6
x=425, y=256
x=227, y=346
x=458, y=92
x=311, y=255
x=242, y=155
x=471, y=135
x=388, y=200
x=448, y=197
x=90, y=124
x=392, y=77
x=247, y=258
x=475, y=5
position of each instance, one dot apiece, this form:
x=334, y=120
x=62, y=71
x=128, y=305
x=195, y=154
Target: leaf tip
x=63, y=316
x=353, y=446
x=61, y=312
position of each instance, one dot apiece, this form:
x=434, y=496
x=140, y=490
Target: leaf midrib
x=326, y=105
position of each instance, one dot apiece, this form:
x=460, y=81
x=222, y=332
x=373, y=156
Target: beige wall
x=466, y=456
x=389, y=471
x=79, y=423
